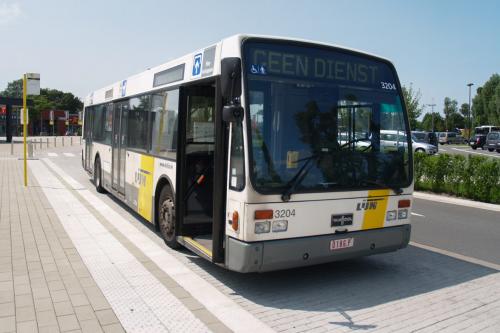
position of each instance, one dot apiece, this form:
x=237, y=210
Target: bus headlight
x=402, y=214
x=391, y=215
x=262, y=227
x=280, y=225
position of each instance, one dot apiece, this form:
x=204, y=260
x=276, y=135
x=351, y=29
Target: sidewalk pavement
x=44, y=285
x=15, y=149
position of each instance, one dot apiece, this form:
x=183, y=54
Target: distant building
x=59, y=122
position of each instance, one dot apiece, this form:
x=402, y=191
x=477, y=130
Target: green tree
x=464, y=110
x=486, y=103
x=49, y=99
x=413, y=106
x=450, y=108
x=14, y=89
x=457, y=120
x=438, y=122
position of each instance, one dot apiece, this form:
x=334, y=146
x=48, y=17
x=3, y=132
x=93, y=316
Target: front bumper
x=296, y=252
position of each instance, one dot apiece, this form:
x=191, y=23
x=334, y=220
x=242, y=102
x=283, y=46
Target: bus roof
x=185, y=68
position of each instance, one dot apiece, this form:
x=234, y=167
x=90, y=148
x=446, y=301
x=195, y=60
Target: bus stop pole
x=25, y=127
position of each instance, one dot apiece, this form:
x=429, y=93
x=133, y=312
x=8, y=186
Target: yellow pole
x=25, y=128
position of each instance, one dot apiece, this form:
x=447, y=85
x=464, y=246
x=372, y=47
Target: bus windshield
x=320, y=114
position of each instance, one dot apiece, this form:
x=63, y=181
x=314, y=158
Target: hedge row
x=473, y=177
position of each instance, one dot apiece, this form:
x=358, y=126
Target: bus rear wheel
x=166, y=218
x=98, y=176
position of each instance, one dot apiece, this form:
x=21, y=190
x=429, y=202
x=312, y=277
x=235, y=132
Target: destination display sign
x=309, y=63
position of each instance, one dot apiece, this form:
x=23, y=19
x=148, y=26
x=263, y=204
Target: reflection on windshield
x=357, y=134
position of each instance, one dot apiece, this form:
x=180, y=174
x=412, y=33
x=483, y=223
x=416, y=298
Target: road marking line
x=442, y=149
x=457, y=256
x=225, y=309
x=69, y=154
x=140, y=301
x=475, y=152
x=52, y=154
x=419, y=215
x=456, y=201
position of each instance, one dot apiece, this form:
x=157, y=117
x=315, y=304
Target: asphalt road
x=466, y=150
x=468, y=231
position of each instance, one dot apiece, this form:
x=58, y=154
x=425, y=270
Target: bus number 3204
x=388, y=85
x=281, y=213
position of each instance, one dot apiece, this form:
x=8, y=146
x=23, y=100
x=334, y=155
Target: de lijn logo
x=368, y=204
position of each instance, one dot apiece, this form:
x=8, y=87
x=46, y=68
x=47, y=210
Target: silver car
x=423, y=147
x=391, y=138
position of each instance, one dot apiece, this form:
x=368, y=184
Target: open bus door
x=88, y=139
x=200, y=197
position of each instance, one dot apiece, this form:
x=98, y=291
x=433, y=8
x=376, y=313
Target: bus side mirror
x=232, y=113
x=231, y=78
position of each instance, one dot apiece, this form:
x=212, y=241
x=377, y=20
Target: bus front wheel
x=166, y=218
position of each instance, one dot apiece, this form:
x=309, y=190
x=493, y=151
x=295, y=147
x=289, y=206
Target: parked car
x=492, y=141
x=450, y=138
x=391, y=138
x=427, y=137
x=479, y=139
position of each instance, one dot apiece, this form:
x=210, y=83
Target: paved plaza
x=44, y=284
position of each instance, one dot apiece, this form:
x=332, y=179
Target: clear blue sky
x=79, y=46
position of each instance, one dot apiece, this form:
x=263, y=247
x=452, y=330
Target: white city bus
x=259, y=153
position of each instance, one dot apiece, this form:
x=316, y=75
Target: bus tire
x=98, y=176
x=166, y=217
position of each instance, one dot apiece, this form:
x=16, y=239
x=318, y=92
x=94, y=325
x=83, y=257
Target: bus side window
x=237, y=161
x=163, y=125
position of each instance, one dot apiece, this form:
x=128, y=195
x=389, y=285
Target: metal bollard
x=12, y=147
x=30, y=149
x=55, y=141
x=41, y=143
x=63, y=141
x=47, y=143
x=71, y=141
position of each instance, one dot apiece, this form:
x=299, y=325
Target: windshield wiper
x=353, y=141
x=298, y=178
x=398, y=190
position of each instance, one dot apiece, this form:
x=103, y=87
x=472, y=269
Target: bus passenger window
x=138, y=123
x=164, y=110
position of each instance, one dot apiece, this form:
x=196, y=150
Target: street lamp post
x=470, y=119
x=432, y=114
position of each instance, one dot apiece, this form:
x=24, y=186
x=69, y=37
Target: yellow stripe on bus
x=375, y=218
x=145, y=195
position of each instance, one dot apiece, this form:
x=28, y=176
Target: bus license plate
x=343, y=243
